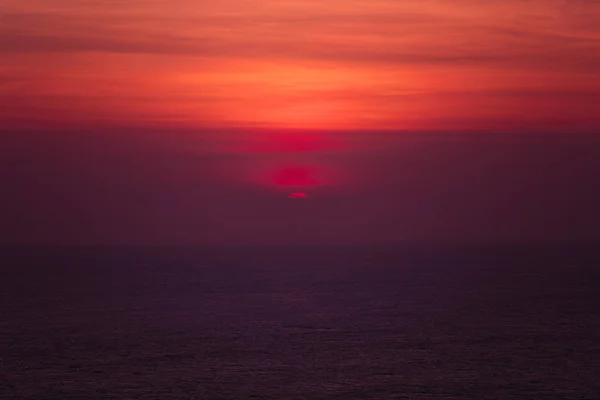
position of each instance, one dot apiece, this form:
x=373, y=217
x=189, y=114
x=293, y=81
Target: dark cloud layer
x=131, y=189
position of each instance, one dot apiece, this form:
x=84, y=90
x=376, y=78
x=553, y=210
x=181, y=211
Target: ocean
x=410, y=321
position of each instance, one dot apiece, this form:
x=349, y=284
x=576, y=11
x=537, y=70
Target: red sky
x=154, y=121
x=345, y=64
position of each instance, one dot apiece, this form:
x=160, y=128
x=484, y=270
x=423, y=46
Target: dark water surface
x=404, y=322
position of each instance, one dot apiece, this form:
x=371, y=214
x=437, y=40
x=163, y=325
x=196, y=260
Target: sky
x=288, y=121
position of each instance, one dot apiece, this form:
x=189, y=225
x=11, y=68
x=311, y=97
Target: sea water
x=419, y=321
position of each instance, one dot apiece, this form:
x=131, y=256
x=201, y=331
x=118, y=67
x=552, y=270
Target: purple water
x=395, y=322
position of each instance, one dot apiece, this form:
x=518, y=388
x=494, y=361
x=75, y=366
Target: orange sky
x=338, y=64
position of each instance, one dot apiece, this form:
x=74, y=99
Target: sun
x=298, y=195
x=296, y=176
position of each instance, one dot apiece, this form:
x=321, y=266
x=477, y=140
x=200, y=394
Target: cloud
x=411, y=37
x=273, y=61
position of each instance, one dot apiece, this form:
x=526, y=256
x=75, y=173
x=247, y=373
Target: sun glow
x=298, y=195
x=284, y=95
